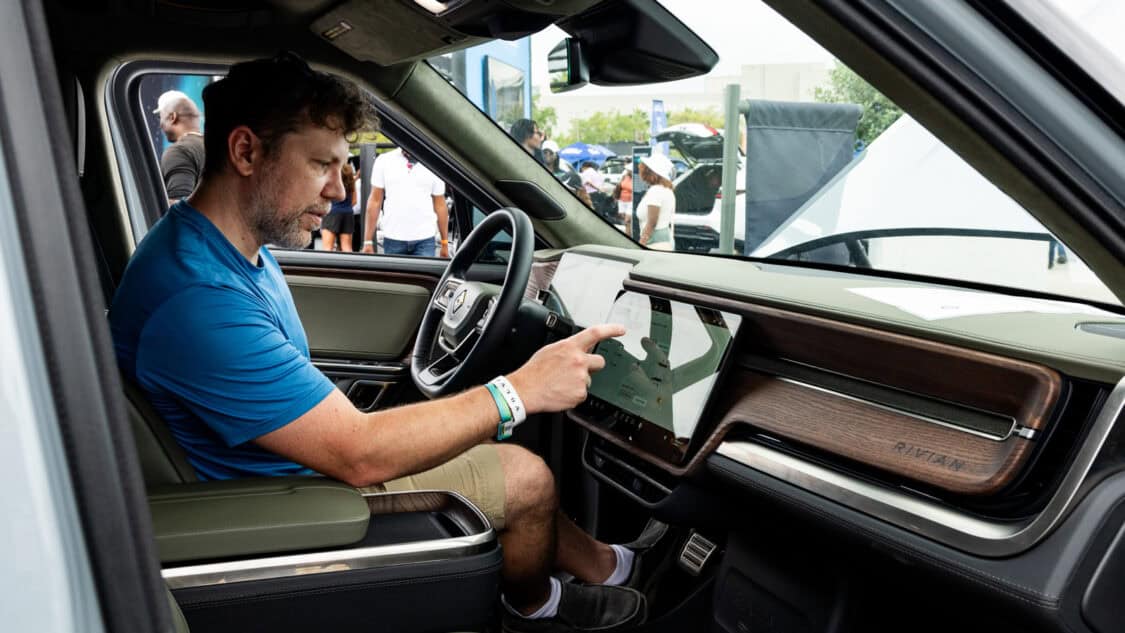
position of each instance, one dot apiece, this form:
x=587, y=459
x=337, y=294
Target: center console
x=307, y=553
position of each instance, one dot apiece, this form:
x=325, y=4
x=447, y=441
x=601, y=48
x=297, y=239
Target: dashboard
x=705, y=380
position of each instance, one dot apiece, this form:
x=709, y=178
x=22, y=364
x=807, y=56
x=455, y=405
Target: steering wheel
x=466, y=322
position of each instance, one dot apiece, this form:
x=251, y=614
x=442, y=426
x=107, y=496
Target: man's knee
x=529, y=485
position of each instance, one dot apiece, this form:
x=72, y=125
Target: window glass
x=499, y=248
x=415, y=209
x=826, y=168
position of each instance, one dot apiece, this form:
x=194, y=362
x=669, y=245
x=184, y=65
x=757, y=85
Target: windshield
x=825, y=168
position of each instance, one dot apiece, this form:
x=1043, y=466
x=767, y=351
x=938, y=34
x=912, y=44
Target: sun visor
x=388, y=33
x=396, y=31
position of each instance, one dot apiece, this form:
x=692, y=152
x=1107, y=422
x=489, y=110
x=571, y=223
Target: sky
x=741, y=32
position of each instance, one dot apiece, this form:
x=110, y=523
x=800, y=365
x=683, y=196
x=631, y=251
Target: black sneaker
x=650, y=550
x=585, y=608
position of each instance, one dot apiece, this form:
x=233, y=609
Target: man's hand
x=557, y=376
x=444, y=251
x=369, y=248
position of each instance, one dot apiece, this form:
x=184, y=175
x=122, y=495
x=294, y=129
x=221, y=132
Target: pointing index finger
x=593, y=335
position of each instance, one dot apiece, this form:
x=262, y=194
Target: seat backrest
x=179, y=623
x=163, y=461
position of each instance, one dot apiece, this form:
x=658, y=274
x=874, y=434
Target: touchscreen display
x=663, y=369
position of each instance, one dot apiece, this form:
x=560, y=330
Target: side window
x=410, y=209
x=406, y=208
x=172, y=110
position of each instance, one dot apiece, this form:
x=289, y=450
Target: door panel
x=361, y=315
x=358, y=318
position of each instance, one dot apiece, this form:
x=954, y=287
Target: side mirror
x=567, y=66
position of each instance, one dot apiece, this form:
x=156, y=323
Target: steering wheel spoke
x=437, y=371
x=445, y=294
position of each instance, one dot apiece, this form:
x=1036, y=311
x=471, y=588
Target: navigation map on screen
x=664, y=368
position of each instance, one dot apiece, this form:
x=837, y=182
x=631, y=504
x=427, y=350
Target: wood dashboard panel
x=900, y=442
x=892, y=441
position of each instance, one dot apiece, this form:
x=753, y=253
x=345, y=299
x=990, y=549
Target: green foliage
x=708, y=116
x=615, y=126
x=546, y=117
x=607, y=127
x=844, y=86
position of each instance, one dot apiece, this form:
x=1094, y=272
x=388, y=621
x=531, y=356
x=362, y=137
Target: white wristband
x=519, y=413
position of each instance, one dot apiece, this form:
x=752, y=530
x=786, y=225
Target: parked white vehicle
x=901, y=204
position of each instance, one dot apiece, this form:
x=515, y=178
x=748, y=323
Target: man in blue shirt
x=203, y=321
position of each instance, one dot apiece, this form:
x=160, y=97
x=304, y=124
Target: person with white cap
x=552, y=161
x=657, y=207
x=182, y=163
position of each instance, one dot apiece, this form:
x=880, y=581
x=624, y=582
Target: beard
x=272, y=224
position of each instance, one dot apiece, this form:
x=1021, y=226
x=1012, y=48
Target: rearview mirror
x=567, y=66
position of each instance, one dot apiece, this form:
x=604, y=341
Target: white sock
x=624, y=566
x=549, y=609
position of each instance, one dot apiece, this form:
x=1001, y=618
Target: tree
x=708, y=116
x=844, y=86
x=608, y=127
x=545, y=116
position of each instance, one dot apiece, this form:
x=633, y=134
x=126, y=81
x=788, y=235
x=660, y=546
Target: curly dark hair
x=276, y=96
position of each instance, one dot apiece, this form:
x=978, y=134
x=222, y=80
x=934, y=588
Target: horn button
x=468, y=309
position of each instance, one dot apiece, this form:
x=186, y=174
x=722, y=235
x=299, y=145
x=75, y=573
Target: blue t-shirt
x=216, y=344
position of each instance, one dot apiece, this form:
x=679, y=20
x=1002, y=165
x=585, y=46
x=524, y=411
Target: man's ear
x=244, y=150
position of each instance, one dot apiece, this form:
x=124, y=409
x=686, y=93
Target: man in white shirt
x=412, y=201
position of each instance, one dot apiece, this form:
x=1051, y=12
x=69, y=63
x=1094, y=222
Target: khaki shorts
x=476, y=474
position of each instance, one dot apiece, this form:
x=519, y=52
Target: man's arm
x=179, y=173
x=362, y=449
x=442, y=211
x=374, y=205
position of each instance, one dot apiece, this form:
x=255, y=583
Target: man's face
x=296, y=185
x=548, y=156
x=166, y=127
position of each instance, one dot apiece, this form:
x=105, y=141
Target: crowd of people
x=410, y=200
x=614, y=202
x=406, y=195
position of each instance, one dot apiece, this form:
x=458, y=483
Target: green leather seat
x=162, y=459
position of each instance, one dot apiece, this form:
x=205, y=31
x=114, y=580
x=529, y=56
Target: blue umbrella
x=578, y=153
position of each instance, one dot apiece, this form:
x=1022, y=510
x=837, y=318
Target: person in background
x=594, y=185
x=412, y=201
x=182, y=163
x=357, y=208
x=592, y=179
x=340, y=221
x=552, y=160
x=526, y=132
x=656, y=208
x=623, y=193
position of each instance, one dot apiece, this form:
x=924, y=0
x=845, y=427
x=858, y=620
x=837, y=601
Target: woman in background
x=656, y=208
x=340, y=220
